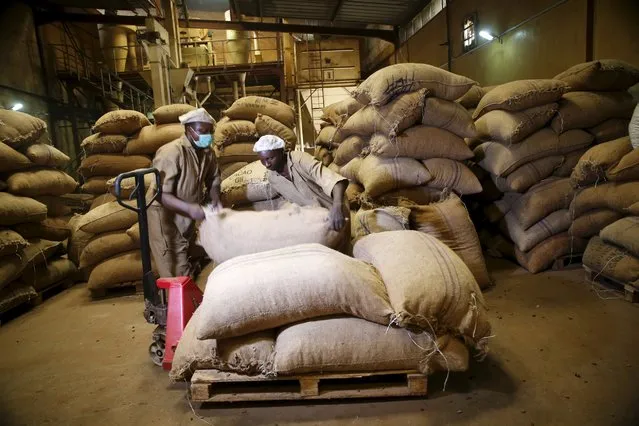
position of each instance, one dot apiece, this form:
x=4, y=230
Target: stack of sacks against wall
x=33, y=213
x=415, y=132
x=244, y=122
x=525, y=158
x=310, y=327
x=328, y=142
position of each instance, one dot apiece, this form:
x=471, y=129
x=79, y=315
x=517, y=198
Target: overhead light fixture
x=486, y=35
x=17, y=106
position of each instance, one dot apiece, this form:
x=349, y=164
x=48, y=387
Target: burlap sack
x=528, y=174
x=448, y=116
x=108, y=217
x=79, y=239
x=428, y=284
x=11, y=242
x=127, y=186
x=266, y=125
x=623, y=233
x=15, y=295
x=99, y=143
x=381, y=219
x=421, y=142
x=323, y=155
x=520, y=95
x=525, y=239
x=36, y=182
x=338, y=112
x=49, y=229
x=547, y=196
x=250, y=354
x=570, y=162
x=228, y=169
x=112, y=164
x=581, y=110
x=345, y=344
x=121, y=122
x=265, y=205
x=611, y=261
x=389, y=120
x=600, y=75
x=380, y=175
x=249, y=184
x=325, y=137
x=235, y=153
x=351, y=169
x=37, y=252
x=106, y=245
x=501, y=160
x=117, y=271
x=47, y=155
x=451, y=174
x=449, y=222
x=384, y=85
x=471, y=98
x=334, y=167
x=134, y=233
x=248, y=107
x=11, y=160
x=495, y=211
x=151, y=138
x=511, y=127
x=626, y=169
x=283, y=286
x=614, y=196
x=229, y=234
x=11, y=266
x=233, y=131
x=101, y=200
x=96, y=185
x=353, y=191
x=609, y=130
x=497, y=245
x=44, y=276
x=590, y=223
x=14, y=210
x=351, y=147
x=544, y=254
x=594, y=164
x=171, y=113
x=19, y=128
x=633, y=128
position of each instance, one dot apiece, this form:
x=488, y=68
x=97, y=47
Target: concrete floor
x=562, y=355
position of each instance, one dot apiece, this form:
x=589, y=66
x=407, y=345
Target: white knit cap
x=268, y=143
x=197, y=116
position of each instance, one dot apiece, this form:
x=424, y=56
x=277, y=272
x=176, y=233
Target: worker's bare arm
x=337, y=211
x=173, y=203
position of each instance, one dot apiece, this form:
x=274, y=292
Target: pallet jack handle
x=154, y=298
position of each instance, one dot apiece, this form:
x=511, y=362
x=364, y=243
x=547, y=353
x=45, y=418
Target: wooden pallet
x=217, y=386
x=569, y=261
x=631, y=293
x=122, y=290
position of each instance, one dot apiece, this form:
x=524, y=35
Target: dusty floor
x=562, y=355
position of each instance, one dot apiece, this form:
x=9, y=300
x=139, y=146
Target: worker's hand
x=197, y=212
x=336, y=217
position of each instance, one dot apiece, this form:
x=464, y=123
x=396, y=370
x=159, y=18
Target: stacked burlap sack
x=326, y=145
x=33, y=216
x=395, y=306
x=249, y=189
x=244, y=122
x=472, y=98
x=416, y=133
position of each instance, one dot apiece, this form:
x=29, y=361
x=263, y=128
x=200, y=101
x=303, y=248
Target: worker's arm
x=181, y=207
x=216, y=199
x=214, y=183
x=336, y=215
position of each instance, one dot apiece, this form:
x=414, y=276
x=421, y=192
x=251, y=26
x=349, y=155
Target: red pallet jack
x=183, y=295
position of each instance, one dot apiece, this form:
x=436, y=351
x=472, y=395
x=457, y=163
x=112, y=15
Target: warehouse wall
x=539, y=48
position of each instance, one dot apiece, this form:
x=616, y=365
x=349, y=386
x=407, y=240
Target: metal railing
x=74, y=63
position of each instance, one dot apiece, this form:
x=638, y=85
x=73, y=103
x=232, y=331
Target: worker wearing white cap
x=190, y=177
x=301, y=179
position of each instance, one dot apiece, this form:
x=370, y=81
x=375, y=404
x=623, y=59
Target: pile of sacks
x=472, y=98
x=33, y=216
x=244, y=122
x=327, y=145
x=415, y=133
x=404, y=302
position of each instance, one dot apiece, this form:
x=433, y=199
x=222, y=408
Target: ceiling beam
x=338, y=7
x=388, y=35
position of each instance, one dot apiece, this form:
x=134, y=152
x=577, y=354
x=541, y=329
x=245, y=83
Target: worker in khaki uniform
x=301, y=179
x=188, y=172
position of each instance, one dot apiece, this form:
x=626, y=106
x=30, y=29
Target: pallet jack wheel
x=156, y=351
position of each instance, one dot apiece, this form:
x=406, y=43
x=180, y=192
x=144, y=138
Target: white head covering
x=268, y=143
x=197, y=116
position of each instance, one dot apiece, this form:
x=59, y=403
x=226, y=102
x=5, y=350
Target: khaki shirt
x=186, y=172
x=311, y=183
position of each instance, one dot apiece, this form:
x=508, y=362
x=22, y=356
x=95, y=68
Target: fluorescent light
x=486, y=35
x=17, y=106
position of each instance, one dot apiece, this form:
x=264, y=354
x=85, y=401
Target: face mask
x=204, y=141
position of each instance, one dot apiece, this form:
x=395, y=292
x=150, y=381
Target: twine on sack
x=599, y=291
x=435, y=350
x=188, y=399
